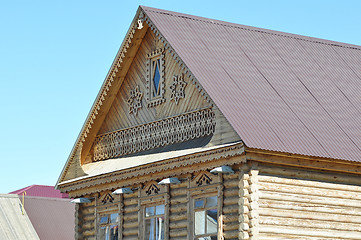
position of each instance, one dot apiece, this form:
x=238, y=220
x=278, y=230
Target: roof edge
x=100, y=96
x=251, y=28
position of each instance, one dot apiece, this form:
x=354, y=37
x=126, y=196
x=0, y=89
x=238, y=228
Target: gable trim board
x=257, y=127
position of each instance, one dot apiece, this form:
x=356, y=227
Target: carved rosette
x=177, y=88
x=135, y=100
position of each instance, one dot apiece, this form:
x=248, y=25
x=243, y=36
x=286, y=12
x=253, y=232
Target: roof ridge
x=256, y=29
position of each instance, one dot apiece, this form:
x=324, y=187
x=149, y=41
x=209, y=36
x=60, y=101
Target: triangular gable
x=124, y=105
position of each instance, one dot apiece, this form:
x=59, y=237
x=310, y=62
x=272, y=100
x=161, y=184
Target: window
x=108, y=229
x=154, y=222
x=155, y=77
x=206, y=218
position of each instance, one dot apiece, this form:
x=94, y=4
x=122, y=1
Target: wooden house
x=277, y=115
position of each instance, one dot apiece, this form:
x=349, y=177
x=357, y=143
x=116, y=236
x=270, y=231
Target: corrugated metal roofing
x=279, y=91
x=41, y=191
x=52, y=218
x=13, y=224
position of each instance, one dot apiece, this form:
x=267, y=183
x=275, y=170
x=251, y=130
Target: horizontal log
x=130, y=224
x=230, y=226
x=131, y=209
x=178, y=224
x=309, y=232
x=309, y=207
x=178, y=199
x=88, y=233
x=276, y=236
x=130, y=231
x=230, y=234
x=231, y=200
x=130, y=217
x=309, y=199
x=181, y=207
x=178, y=233
x=230, y=209
x=311, y=175
x=309, y=183
x=89, y=217
x=227, y=192
x=178, y=216
x=231, y=217
x=309, y=190
x=309, y=223
x=131, y=237
x=301, y=215
x=231, y=183
x=87, y=211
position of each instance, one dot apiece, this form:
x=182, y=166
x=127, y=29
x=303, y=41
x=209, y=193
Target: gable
x=135, y=120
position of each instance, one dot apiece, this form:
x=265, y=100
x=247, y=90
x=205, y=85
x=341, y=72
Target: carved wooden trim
x=188, y=160
x=151, y=100
x=177, y=88
x=152, y=188
x=106, y=198
x=202, y=179
x=135, y=100
x=155, y=134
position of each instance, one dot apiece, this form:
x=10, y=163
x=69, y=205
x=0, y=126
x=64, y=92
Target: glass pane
x=199, y=222
x=104, y=219
x=212, y=225
x=156, y=79
x=114, y=232
x=102, y=232
x=159, y=210
x=149, y=211
x=211, y=202
x=149, y=229
x=114, y=217
x=159, y=228
x=199, y=203
x=213, y=238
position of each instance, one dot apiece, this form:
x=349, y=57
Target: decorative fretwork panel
x=155, y=134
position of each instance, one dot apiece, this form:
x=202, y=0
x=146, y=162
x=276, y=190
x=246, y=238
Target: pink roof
x=279, y=91
x=41, y=191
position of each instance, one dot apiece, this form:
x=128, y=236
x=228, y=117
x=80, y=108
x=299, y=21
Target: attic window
x=155, y=77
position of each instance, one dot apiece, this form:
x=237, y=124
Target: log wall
x=256, y=202
x=300, y=204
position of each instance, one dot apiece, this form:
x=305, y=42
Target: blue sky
x=54, y=56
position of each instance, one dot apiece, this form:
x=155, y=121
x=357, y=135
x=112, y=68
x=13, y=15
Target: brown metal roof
x=279, y=91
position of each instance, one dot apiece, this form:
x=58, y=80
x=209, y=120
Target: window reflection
x=206, y=218
x=154, y=222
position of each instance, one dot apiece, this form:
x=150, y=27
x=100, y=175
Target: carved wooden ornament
x=177, y=88
x=135, y=100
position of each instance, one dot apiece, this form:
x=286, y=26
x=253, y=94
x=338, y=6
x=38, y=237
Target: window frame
x=204, y=208
x=154, y=216
x=158, y=57
x=108, y=224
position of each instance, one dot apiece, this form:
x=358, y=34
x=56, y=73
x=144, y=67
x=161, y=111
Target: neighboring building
x=41, y=191
x=50, y=212
x=14, y=222
x=187, y=94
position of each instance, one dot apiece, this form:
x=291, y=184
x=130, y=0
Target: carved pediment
x=152, y=188
x=203, y=179
x=106, y=198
